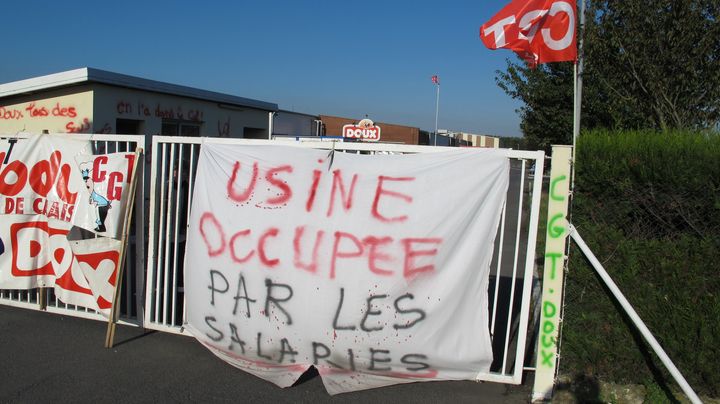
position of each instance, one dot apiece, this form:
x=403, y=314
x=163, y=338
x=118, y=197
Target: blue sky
x=317, y=57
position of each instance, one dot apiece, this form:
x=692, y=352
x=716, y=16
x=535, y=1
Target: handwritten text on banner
x=373, y=269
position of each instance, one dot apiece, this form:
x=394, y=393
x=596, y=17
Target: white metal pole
x=437, y=109
x=634, y=317
x=578, y=73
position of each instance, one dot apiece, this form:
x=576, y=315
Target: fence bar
x=496, y=296
x=160, y=245
x=168, y=226
x=529, y=263
x=634, y=316
x=149, y=289
x=140, y=232
x=514, y=267
x=191, y=186
x=176, y=231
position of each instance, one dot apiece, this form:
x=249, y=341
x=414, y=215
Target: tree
x=648, y=65
x=660, y=58
x=545, y=118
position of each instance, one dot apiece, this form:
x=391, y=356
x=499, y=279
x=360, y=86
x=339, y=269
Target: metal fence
x=133, y=286
x=153, y=289
x=173, y=167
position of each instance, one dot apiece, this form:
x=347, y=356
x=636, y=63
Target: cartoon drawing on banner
x=103, y=200
x=100, y=203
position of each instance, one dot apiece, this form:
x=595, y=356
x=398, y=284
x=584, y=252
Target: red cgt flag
x=435, y=79
x=539, y=31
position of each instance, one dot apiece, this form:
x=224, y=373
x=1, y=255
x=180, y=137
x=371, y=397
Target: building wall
x=388, y=133
x=152, y=109
x=67, y=110
x=99, y=108
x=442, y=140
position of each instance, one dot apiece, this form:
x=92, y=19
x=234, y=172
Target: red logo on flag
x=435, y=79
x=539, y=31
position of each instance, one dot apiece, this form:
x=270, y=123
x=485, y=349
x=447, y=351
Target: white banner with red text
x=372, y=268
x=41, y=187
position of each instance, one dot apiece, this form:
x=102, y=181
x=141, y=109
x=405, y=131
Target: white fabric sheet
x=373, y=269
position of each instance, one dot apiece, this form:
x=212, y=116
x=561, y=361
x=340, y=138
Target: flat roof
x=91, y=75
x=284, y=111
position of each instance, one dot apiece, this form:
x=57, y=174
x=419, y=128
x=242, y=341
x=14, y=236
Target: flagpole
x=437, y=109
x=577, y=109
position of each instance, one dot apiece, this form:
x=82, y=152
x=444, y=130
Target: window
x=128, y=127
x=179, y=128
x=255, y=133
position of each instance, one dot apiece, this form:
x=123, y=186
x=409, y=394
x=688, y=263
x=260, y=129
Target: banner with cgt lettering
x=373, y=269
x=41, y=194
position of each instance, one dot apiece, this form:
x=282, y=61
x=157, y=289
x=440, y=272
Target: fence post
x=43, y=291
x=553, y=273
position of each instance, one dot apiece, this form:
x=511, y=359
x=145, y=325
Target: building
x=90, y=100
x=463, y=139
x=390, y=133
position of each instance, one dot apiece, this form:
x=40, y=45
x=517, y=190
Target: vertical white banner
x=553, y=273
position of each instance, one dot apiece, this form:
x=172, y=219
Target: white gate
x=173, y=168
x=131, y=300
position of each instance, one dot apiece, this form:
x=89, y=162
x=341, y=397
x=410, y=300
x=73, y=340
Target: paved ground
x=49, y=357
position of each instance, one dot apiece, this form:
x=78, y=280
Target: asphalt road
x=53, y=358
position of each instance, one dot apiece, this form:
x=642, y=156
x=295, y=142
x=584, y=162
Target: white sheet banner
x=40, y=187
x=104, y=198
x=373, y=269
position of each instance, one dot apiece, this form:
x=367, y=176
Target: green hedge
x=648, y=205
